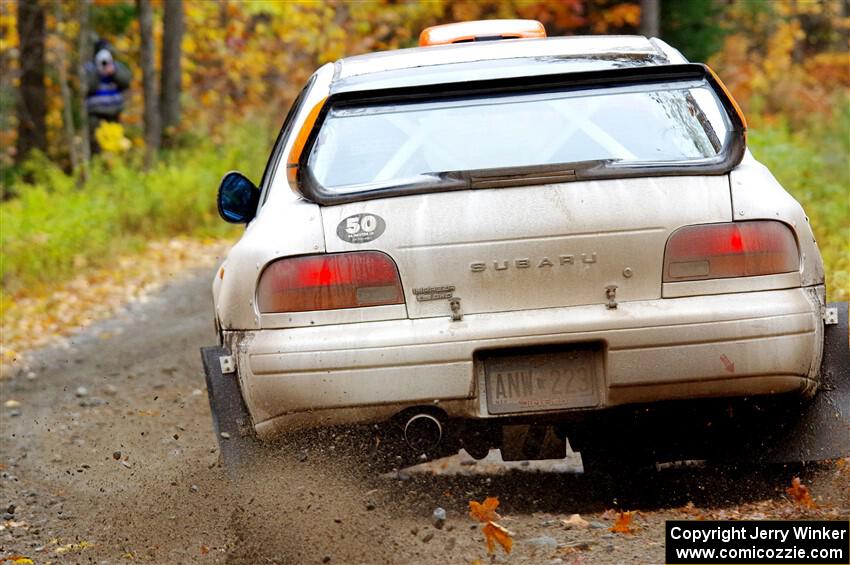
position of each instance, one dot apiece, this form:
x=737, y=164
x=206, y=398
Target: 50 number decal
x=361, y=228
x=363, y=223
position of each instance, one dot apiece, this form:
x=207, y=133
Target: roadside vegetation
x=54, y=230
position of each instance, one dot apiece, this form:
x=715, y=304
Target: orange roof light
x=481, y=30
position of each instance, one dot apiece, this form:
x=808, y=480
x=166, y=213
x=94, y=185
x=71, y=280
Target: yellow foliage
x=617, y=16
x=771, y=66
x=110, y=137
x=8, y=26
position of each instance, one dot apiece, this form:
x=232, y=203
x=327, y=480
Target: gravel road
x=108, y=456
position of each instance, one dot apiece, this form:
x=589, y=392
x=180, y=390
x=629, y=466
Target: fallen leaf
x=486, y=511
x=204, y=550
x=17, y=559
x=67, y=548
x=623, y=523
x=691, y=510
x=575, y=521
x=800, y=493
x=493, y=532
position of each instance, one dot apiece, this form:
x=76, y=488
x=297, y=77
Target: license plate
x=541, y=381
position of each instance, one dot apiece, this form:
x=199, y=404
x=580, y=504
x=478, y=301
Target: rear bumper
x=696, y=347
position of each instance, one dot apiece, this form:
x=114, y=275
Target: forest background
x=213, y=79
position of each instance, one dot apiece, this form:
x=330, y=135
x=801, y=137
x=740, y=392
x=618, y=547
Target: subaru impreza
x=503, y=240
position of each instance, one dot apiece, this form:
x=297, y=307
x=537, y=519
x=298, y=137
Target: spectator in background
x=106, y=79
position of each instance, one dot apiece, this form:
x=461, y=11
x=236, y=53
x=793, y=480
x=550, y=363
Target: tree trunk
x=84, y=48
x=84, y=52
x=67, y=102
x=32, y=94
x=650, y=17
x=169, y=92
x=146, y=56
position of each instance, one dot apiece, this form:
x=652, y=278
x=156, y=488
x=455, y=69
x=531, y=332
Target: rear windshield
x=372, y=146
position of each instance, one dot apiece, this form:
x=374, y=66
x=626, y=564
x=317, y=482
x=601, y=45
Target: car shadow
x=528, y=489
x=555, y=486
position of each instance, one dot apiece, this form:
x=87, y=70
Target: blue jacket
x=104, y=96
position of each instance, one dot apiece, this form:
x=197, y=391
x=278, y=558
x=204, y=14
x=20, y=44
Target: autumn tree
x=65, y=89
x=225, y=61
x=32, y=96
x=146, y=62
x=169, y=92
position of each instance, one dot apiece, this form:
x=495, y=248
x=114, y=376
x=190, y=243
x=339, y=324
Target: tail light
x=329, y=282
x=739, y=249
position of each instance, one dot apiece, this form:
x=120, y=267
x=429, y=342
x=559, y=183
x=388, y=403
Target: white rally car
x=505, y=244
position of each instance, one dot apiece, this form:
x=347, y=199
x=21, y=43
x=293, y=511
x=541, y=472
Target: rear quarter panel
x=757, y=195
x=284, y=227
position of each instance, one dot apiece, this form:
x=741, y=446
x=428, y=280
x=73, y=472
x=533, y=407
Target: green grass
x=54, y=228
x=813, y=164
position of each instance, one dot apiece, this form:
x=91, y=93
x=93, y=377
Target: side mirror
x=238, y=198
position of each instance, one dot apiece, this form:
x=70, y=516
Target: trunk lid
x=530, y=247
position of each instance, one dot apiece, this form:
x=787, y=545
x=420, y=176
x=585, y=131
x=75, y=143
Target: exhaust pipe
x=423, y=433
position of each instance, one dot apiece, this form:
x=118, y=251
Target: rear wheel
x=614, y=455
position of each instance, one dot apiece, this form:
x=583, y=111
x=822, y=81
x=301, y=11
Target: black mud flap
x=231, y=422
x=821, y=430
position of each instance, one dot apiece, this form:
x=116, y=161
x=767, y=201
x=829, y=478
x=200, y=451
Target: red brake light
x=329, y=282
x=739, y=249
